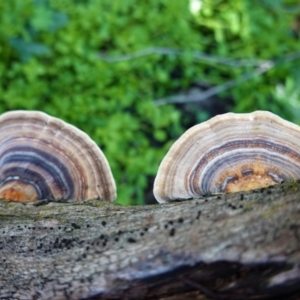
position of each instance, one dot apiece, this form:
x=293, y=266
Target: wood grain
x=234, y=246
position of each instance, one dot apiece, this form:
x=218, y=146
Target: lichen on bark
x=221, y=246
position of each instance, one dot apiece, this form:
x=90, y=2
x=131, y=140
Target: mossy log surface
x=233, y=246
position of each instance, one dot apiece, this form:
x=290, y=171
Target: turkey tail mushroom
x=42, y=157
x=229, y=153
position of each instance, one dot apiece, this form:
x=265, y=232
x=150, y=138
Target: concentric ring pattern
x=42, y=157
x=230, y=153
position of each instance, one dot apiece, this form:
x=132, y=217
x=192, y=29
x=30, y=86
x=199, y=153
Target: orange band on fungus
x=230, y=153
x=42, y=157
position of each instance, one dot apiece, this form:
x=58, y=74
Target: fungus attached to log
x=230, y=153
x=42, y=157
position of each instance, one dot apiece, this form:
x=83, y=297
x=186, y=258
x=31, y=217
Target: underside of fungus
x=229, y=153
x=42, y=157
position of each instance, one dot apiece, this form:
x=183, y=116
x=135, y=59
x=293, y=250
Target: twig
x=195, y=54
x=262, y=67
x=201, y=96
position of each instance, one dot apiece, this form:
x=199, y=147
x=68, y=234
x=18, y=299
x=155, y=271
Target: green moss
x=290, y=187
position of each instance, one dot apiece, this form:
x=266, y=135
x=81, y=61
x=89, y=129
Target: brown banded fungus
x=230, y=153
x=42, y=157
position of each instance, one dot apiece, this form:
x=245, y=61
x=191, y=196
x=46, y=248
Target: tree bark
x=232, y=246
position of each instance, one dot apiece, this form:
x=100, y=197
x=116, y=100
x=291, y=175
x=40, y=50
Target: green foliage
x=50, y=62
x=255, y=31
x=54, y=58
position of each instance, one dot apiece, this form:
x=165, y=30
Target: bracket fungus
x=229, y=153
x=42, y=157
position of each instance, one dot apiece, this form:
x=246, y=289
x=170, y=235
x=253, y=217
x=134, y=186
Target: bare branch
x=201, y=96
x=195, y=54
x=262, y=66
x=221, y=246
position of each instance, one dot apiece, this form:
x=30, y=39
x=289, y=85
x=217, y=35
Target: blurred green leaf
x=28, y=49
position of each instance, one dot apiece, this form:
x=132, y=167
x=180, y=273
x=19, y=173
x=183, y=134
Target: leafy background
x=134, y=75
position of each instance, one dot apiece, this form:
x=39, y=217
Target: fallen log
x=232, y=246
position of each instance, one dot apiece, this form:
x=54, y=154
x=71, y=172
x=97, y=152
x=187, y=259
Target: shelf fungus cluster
x=42, y=157
x=230, y=153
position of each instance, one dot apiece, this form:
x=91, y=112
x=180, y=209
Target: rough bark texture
x=234, y=246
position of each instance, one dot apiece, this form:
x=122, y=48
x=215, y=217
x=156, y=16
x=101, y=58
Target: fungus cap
x=42, y=157
x=229, y=153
